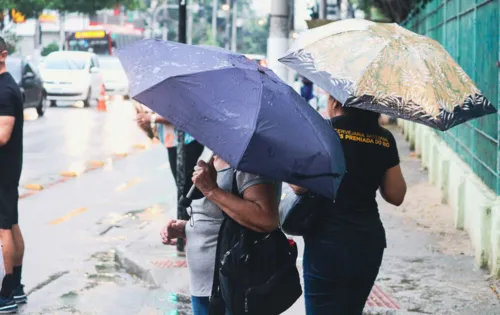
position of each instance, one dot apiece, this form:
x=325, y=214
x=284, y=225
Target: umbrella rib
x=320, y=139
x=381, y=50
x=321, y=38
x=254, y=124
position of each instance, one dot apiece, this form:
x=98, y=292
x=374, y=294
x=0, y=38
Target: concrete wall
x=476, y=207
x=25, y=45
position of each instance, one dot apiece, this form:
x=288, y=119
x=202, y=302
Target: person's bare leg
x=18, y=245
x=8, y=250
x=17, y=236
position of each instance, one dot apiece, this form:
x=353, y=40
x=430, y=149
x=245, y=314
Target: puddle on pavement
x=106, y=269
x=130, y=219
x=107, y=278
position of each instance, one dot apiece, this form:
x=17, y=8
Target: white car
x=71, y=76
x=114, y=76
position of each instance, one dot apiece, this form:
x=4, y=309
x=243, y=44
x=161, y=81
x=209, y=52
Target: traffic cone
x=101, y=102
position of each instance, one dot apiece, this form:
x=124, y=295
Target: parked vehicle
x=114, y=76
x=30, y=82
x=71, y=76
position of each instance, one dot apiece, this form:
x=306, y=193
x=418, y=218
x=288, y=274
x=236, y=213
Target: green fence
x=469, y=30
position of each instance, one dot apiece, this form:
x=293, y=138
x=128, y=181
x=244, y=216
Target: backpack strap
x=217, y=305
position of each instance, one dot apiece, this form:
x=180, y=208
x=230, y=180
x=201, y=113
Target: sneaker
x=19, y=295
x=7, y=305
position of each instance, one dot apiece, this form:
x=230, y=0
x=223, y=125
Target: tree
x=49, y=48
x=29, y=8
x=255, y=35
x=395, y=10
x=90, y=7
x=33, y=8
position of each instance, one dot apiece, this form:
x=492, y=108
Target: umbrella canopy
x=240, y=110
x=385, y=68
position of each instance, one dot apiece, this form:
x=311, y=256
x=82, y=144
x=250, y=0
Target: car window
x=65, y=63
x=14, y=67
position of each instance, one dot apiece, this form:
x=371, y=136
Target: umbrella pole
x=181, y=154
x=185, y=201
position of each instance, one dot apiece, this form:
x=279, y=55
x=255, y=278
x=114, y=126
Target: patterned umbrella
x=385, y=68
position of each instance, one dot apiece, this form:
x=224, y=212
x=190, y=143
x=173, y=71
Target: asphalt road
x=72, y=225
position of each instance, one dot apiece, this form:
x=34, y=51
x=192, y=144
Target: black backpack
x=255, y=273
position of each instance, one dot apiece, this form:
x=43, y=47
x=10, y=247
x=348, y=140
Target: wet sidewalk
x=428, y=266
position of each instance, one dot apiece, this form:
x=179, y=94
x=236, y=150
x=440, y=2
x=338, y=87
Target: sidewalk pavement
x=428, y=266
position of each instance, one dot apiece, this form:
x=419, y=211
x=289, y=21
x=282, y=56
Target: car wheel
x=42, y=106
x=86, y=103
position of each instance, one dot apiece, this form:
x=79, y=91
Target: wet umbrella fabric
x=385, y=68
x=240, y=110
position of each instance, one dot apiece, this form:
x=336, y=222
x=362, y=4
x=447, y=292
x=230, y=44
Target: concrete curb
x=476, y=207
x=131, y=266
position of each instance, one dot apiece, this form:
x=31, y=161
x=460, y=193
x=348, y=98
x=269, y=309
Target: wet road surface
x=72, y=228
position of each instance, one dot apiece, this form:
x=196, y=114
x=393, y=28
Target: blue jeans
x=200, y=305
x=338, y=278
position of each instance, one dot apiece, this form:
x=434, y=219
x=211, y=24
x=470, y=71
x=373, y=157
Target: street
x=69, y=264
x=92, y=235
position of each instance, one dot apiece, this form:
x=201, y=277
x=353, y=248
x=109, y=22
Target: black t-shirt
x=11, y=154
x=369, y=152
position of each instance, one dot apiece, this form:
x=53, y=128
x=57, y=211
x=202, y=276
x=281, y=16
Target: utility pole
x=228, y=24
x=190, y=22
x=279, y=32
x=323, y=9
x=37, y=39
x=165, y=23
x=62, y=33
x=234, y=28
x=215, y=8
x=181, y=154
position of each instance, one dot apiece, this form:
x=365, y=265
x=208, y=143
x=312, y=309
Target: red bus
x=103, y=39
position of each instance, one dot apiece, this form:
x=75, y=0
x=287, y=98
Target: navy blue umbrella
x=240, y=110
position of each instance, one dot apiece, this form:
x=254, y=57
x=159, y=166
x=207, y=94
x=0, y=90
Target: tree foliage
x=49, y=48
x=90, y=6
x=31, y=8
x=395, y=10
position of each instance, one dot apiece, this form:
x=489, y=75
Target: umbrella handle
x=186, y=201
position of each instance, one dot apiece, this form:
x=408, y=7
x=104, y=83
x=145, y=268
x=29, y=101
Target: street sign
x=90, y=34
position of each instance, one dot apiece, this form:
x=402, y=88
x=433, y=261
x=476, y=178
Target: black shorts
x=9, y=197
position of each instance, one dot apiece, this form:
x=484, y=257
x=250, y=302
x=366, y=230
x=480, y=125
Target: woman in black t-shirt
x=344, y=250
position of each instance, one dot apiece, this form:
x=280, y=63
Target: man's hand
x=172, y=231
x=144, y=120
x=205, y=177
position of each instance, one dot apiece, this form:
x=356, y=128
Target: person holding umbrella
x=256, y=209
x=257, y=124
x=394, y=72
x=343, y=254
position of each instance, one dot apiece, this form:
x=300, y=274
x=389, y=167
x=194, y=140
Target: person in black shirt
x=11, y=160
x=343, y=254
